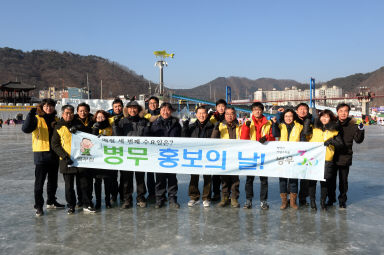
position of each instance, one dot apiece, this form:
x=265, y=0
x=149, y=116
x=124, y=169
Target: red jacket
x=257, y=125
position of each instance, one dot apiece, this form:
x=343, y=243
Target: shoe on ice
x=89, y=209
x=192, y=202
x=39, y=212
x=141, y=204
x=264, y=205
x=127, y=204
x=342, y=205
x=71, y=211
x=235, y=203
x=159, y=204
x=206, y=203
x=224, y=202
x=55, y=205
x=248, y=204
x=174, y=204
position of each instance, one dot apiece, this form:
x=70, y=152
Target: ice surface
x=192, y=230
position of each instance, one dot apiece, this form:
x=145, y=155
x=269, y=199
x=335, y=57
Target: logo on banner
x=306, y=161
x=85, y=147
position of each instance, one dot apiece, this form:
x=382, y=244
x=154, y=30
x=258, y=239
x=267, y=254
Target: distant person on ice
x=40, y=122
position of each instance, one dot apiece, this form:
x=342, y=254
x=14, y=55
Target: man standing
x=350, y=131
x=132, y=125
x=116, y=113
x=259, y=129
x=61, y=145
x=201, y=128
x=228, y=129
x=40, y=122
x=152, y=114
x=217, y=116
x=166, y=126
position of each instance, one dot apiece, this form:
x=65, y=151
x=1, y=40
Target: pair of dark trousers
x=303, y=193
x=78, y=186
x=84, y=179
x=263, y=188
x=216, y=182
x=114, y=185
x=230, y=184
x=151, y=184
x=161, y=186
x=193, y=191
x=343, y=184
x=41, y=173
x=284, y=182
x=127, y=185
x=312, y=190
x=107, y=189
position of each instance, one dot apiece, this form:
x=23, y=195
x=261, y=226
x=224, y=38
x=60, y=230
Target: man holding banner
x=228, y=129
x=166, y=126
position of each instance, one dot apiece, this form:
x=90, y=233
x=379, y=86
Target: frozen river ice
x=359, y=229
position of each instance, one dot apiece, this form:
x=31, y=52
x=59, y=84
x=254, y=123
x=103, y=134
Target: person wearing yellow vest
x=228, y=129
x=116, y=113
x=325, y=130
x=214, y=117
x=289, y=130
x=61, y=144
x=257, y=129
x=151, y=114
x=40, y=122
x=102, y=128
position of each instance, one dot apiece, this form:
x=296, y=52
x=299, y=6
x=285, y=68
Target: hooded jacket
x=349, y=133
x=41, y=126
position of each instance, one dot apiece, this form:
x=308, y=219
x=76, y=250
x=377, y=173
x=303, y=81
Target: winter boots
x=284, y=202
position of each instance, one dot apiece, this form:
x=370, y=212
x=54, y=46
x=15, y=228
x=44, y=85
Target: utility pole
x=101, y=89
x=88, y=85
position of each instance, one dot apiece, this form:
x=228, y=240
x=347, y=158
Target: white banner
x=302, y=160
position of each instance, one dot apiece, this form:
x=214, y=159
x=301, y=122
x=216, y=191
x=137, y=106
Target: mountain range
x=44, y=68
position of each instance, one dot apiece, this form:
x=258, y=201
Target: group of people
x=51, y=144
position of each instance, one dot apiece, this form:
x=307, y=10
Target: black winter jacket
x=349, y=133
x=30, y=124
x=84, y=125
x=131, y=126
x=166, y=127
x=198, y=130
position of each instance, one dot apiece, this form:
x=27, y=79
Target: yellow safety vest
x=265, y=129
x=294, y=136
x=319, y=135
x=106, y=131
x=65, y=138
x=40, y=136
x=224, y=131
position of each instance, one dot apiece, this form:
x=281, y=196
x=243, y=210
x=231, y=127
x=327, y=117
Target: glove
x=210, y=111
x=96, y=125
x=116, y=119
x=361, y=126
x=33, y=111
x=69, y=161
x=263, y=140
x=73, y=130
x=328, y=142
x=186, y=122
x=248, y=123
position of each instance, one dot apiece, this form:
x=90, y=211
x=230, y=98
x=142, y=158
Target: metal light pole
x=160, y=64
